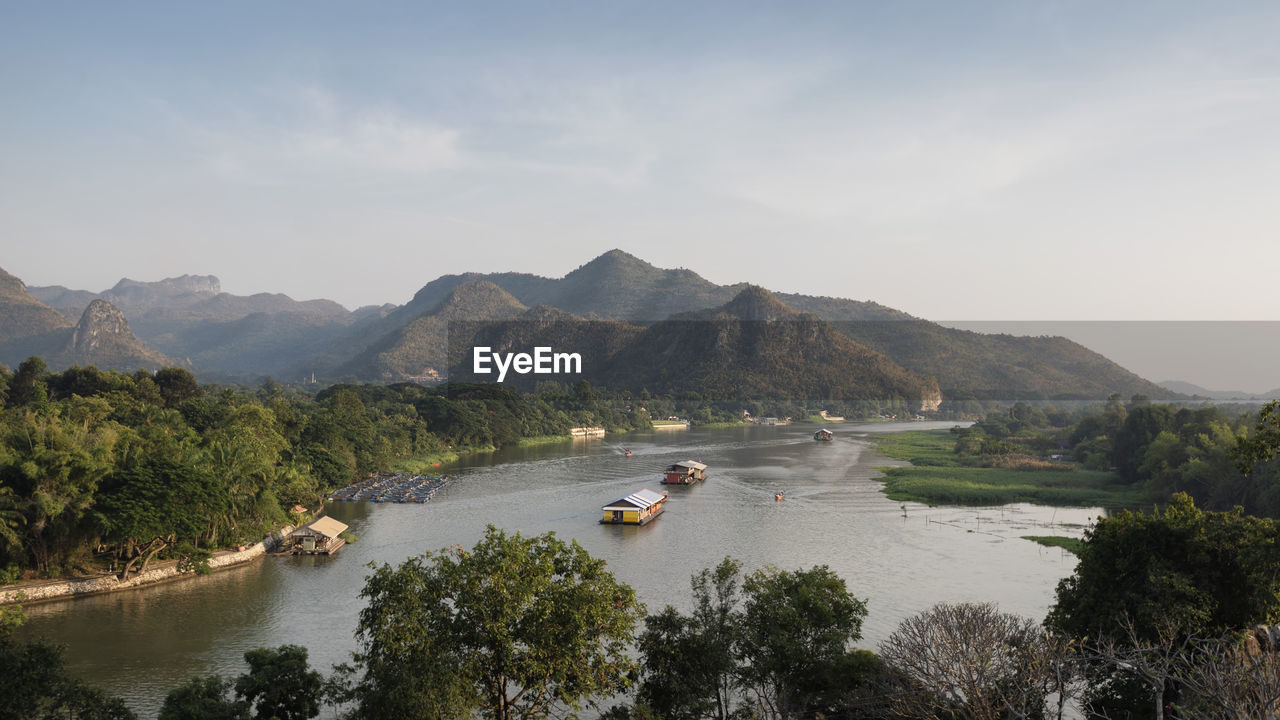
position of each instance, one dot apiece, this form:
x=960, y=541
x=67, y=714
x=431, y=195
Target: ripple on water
x=140, y=644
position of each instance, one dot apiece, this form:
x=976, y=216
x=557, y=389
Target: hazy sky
x=1021, y=160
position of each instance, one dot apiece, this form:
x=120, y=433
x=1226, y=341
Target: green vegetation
x=512, y=628
x=526, y=628
x=544, y=440
x=999, y=486
x=36, y=685
x=111, y=471
x=1070, y=544
x=1111, y=454
x=1153, y=582
x=775, y=644
x=938, y=475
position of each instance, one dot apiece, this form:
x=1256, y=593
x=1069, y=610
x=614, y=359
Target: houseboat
x=638, y=508
x=684, y=473
x=824, y=435
x=319, y=537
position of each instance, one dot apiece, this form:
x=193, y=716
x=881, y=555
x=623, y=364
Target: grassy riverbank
x=937, y=476
x=1070, y=544
x=543, y=440
x=432, y=463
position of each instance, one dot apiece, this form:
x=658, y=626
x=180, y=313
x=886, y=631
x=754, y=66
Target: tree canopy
x=514, y=627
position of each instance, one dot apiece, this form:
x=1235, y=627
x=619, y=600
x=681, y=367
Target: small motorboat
x=626, y=453
x=779, y=496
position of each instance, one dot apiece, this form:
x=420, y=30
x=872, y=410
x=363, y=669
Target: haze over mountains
x=188, y=320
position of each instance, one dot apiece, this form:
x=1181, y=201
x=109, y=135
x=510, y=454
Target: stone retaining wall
x=59, y=589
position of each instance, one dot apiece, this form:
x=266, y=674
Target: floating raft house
x=638, y=508
x=684, y=473
x=318, y=537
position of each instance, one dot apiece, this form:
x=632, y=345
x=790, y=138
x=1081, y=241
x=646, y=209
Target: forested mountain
x=421, y=345
x=1003, y=367
x=226, y=336
x=22, y=314
x=752, y=346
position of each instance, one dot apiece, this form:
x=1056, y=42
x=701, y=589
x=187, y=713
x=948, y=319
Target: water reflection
x=139, y=644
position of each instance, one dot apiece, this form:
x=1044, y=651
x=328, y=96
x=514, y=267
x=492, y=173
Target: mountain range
x=189, y=320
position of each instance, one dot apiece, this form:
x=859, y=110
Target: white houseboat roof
x=690, y=464
x=639, y=499
x=326, y=526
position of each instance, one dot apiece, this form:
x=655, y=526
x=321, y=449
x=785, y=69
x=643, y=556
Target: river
x=141, y=643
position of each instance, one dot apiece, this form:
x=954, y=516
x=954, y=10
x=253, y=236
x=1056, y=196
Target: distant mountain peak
x=99, y=322
x=11, y=286
x=755, y=303
x=477, y=295
x=199, y=284
x=614, y=261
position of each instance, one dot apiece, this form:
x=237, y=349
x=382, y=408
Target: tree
x=514, y=627
x=794, y=646
x=280, y=684
x=177, y=385
x=1203, y=572
x=202, y=699
x=1145, y=583
x=35, y=685
x=688, y=663
x=1264, y=444
x=28, y=386
x=970, y=660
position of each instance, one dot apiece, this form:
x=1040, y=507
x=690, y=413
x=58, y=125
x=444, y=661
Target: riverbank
x=34, y=592
x=937, y=476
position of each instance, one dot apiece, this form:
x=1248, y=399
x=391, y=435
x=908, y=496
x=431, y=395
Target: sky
x=1067, y=160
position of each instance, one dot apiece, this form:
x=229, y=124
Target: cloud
x=382, y=141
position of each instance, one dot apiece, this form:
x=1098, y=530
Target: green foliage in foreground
x=35, y=684
x=513, y=628
x=1070, y=544
x=1200, y=573
x=280, y=685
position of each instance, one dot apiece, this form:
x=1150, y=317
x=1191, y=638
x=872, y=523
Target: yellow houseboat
x=684, y=473
x=638, y=508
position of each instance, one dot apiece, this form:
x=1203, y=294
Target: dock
x=392, y=488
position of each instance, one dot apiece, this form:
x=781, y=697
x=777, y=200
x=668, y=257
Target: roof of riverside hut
x=326, y=526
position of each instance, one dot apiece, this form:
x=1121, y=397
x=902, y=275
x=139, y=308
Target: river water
x=141, y=643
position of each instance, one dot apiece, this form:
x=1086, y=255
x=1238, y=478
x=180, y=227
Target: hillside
x=421, y=345
x=189, y=317
x=752, y=346
x=219, y=333
x=22, y=315
x=1004, y=367
x=102, y=337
